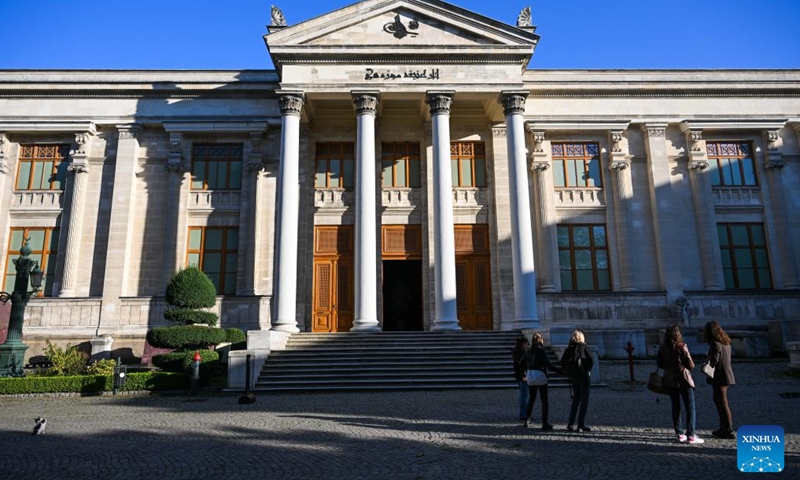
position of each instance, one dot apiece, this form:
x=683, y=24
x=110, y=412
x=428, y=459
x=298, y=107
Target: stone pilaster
x=366, y=253
x=525, y=312
x=291, y=105
x=122, y=223
x=773, y=166
x=548, y=273
x=663, y=203
x=250, y=217
x=705, y=217
x=6, y=178
x=175, y=205
x=446, y=311
x=72, y=252
x=621, y=190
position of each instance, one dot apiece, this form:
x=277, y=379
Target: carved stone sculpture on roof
x=277, y=17
x=524, y=18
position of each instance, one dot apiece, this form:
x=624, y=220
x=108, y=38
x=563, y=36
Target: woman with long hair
x=537, y=363
x=675, y=359
x=719, y=357
x=577, y=362
x=518, y=355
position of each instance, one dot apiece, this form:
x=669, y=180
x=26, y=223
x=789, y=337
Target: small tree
x=188, y=293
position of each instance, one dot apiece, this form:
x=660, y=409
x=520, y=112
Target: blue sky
x=226, y=34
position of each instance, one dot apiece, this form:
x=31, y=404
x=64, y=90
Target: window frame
x=48, y=257
x=716, y=157
x=730, y=248
x=57, y=174
x=225, y=250
x=586, y=157
x=344, y=152
x=593, y=249
x=230, y=160
x=458, y=155
x=407, y=151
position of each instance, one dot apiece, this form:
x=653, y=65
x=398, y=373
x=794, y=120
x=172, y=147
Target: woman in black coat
x=537, y=364
x=719, y=357
x=577, y=362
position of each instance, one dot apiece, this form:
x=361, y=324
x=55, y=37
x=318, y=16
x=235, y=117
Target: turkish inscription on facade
x=425, y=74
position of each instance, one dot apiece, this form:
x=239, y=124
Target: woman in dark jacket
x=719, y=357
x=518, y=355
x=674, y=358
x=537, y=363
x=577, y=362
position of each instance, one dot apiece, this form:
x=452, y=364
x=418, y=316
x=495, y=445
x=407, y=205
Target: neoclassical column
x=444, y=248
x=291, y=105
x=705, y=217
x=250, y=216
x=5, y=172
x=366, y=254
x=773, y=166
x=72, y=254
x=525, y=311
x=545, y=214
x=176, y=170
x=619, y=164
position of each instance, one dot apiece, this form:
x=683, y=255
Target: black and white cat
x=38, y=429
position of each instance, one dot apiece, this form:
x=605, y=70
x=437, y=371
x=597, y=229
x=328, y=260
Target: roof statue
x=277, y=17
x=524, y=18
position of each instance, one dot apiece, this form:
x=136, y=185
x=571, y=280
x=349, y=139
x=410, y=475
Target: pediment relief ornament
x=277, y=19
x=524, y=18
x=398, y=30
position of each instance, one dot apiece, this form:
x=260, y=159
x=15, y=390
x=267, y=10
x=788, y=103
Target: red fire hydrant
x=630, y=348
x=195, y=371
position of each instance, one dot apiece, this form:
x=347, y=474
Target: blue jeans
x=523, y=400
x=688, y=401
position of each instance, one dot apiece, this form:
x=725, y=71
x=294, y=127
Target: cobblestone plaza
x=389, y=435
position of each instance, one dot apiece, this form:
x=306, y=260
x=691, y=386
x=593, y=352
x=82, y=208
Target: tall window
x=400, y=165
x=583, y=257
x=744, y=256
x=44, y=243
x=731, y=164
x=468, y=164
x=576, y=165
x=214, y=250
x=217, y=166
x=42, y=167
x=335, y=165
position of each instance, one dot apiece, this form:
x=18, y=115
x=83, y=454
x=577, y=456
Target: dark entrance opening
x=402, y=295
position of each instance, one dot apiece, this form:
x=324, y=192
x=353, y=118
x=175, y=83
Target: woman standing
x=719, y=357
x=577, y=362
x=537, y=363
x=518, y=355
x=674, y=358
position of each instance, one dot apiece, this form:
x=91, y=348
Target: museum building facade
x=401, y=169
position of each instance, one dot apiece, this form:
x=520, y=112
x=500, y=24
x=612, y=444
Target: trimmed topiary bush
x=186, y=337
x=186, y=316
x=190, y=288
x=235, y=335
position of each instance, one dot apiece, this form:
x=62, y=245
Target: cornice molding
x=215, y=127
x=734, y=124
x=45, y=126
x=576, y=124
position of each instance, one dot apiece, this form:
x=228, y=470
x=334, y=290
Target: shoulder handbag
x=536, y=378
x=655, y=383
x=708, y=370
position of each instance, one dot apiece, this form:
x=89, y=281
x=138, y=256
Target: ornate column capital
x=291, y=103
x=771, y=138
x=5, y=166
x=513, y=102
x=129, y=131
x=78, y=168
x=366, y=103
x=540, y=167
x=773, y=159
x=82, y=143
x=538, y=143
x=698, y=165
x=618, y=165
x=439, y=102
x=655, y=129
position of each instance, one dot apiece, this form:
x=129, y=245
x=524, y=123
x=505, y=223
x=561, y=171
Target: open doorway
x=402, y=295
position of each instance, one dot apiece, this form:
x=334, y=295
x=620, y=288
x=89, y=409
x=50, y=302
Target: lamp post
x=12, y=351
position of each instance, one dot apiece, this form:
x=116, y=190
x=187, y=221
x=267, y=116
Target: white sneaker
x=681, y=438
x=695, y=440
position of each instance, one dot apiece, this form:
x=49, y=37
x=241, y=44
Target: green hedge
x=191, y=288
x=180, y=361
x=237, y=337
x=187, y=316
x=186, y=336
x=93, y=383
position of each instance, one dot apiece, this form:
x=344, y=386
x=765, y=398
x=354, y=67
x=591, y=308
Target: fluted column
x=545, y=215
x=366, y=254
x=176, y=170
x=705, y=217
x=444, y=248
x=773, y=166
x=525, y=312
x=72, y=254
x=291, y=105
x=621, y=190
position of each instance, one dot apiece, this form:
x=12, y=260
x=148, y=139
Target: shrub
x=93, y=383
x=181, y=361
x=66, y=361
x=185, y=337
x=191, y=288
x=104, y=366
x=235, y=335
x=187, y=316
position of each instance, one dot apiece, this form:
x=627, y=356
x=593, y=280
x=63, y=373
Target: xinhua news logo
x=760, y=449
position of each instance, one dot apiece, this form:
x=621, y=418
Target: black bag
x=655, y=383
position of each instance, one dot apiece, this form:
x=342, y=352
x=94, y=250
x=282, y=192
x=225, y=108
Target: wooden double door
x=473, y=277
x=333, y=279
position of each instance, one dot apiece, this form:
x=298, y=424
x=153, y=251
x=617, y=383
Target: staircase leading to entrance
x=392, y=361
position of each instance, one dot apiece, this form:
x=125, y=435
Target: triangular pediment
x=375, y=30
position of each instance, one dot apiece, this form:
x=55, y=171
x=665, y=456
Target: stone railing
x=580, y=197
x=37, y=200
x=404, y=199
x=333, y=198
x=470, y=198
x=209, y=200
x=737, y=196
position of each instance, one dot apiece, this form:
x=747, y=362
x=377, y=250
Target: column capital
x=698, y=165
x=513, y=101
x=5, y=166
x=654, y=130
x=440, y=102
x=772, y=139
x=540, y=167
x=290, y=102
x=78, y=168
x=366, y=103
x=618, y=165
x=615, y=138
x=538, y=141
x=82, y=142
x=129, y=131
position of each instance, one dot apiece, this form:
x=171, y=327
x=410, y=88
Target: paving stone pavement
x=465, y=434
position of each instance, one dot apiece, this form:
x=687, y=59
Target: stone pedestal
x=12, y=359
x=101, y=348
x=794, y=354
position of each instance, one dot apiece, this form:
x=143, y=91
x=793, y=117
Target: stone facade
x=128, y=204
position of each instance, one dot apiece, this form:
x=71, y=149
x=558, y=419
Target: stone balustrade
x=37, y=200
x=737, y=196
x=580, y=197
x=210, y=200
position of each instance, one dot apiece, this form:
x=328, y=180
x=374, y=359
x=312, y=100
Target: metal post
x=195, y=372
x=630, y=348
x=247, y=376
